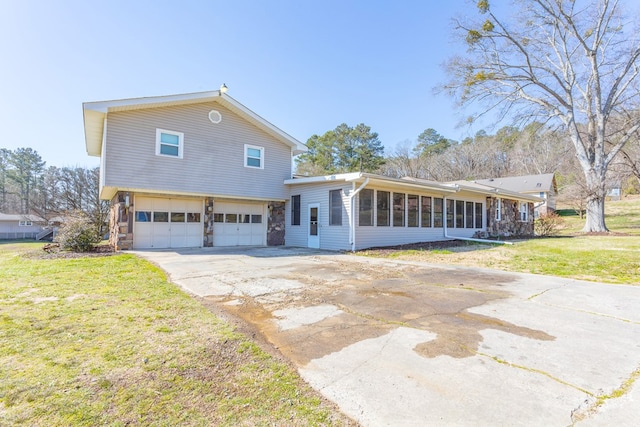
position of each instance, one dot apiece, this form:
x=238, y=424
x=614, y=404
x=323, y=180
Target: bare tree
x=627, y=164
x=98, y=209
x=632, y=162
x=404, y=161
x=540, y=150
x=576, y=62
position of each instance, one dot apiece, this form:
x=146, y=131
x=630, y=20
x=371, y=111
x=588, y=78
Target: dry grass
x=611, y=258
x=108, y=341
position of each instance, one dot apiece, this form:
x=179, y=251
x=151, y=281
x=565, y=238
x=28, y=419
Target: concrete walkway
x=404, y=343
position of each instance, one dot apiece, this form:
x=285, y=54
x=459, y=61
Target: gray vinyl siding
x=332, y=237
x=213, y=155
x=338, y=238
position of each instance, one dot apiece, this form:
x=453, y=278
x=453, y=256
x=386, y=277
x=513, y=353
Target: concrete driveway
x=406, y=343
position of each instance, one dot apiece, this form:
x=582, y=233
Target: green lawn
x=108, y=341
x=613, y=258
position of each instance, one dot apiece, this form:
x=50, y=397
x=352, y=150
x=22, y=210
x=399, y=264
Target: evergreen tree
x=344, y=149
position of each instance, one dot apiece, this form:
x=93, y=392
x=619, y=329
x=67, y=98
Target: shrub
x=548, y=224
x=77, y=234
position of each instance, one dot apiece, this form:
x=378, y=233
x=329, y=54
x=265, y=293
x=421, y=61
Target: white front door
x=313, y=240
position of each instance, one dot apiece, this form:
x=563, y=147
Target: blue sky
x=304, y=66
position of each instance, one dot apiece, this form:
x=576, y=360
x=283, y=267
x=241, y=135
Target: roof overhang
x=374, y=179
x=107, y=193
x=474, y=187
x=415, y=184
x=95, y=113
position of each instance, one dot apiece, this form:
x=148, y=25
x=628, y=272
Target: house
x=190, y=170
x=202, y=170
x=542, y=185
x=18, y=226
x=354, y=211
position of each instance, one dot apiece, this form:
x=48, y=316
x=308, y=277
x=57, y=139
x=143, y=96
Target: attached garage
x=239, y=224
x=167, y=223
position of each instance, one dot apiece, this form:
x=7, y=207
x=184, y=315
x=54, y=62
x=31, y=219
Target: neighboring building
x=17, y=226
x=203, y=170
x=542, y=185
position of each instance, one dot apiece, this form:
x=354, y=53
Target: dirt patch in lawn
x=53, y=251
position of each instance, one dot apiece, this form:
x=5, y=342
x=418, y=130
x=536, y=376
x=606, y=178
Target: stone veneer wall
x=207, y=238
x=121, y=222
x=276, y=223
x=509, y=224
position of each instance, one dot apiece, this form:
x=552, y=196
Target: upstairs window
x=169, y=143
x=253, y=156
x=25, y=223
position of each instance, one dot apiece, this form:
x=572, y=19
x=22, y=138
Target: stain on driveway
x=398, y=343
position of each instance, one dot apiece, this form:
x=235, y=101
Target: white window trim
x=498, y=209
x=246, y=156
x=524, y=209
x=25, y=223
x=180, y=136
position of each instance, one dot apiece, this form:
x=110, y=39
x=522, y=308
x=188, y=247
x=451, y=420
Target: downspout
x=469, y=239
x=352, y=218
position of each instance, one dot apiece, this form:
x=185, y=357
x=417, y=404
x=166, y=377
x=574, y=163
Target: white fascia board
x=374, y=179
x=106, y=106
x=324, y=178
x=297, y=146
x=517, y=196
x=497, y=192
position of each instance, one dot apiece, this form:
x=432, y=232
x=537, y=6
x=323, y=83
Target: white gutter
x=352, y=218
x=469, y=239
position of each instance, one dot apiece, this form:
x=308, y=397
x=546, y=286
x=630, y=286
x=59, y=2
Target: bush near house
x=78, y=233
x=548, y=224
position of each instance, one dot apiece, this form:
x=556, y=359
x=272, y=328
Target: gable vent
x=215, y=116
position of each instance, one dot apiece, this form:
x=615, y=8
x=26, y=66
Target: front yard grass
x=613, y=258
x=108, y=341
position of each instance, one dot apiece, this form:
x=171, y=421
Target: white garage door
x=167, y=223
x=239, y=224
